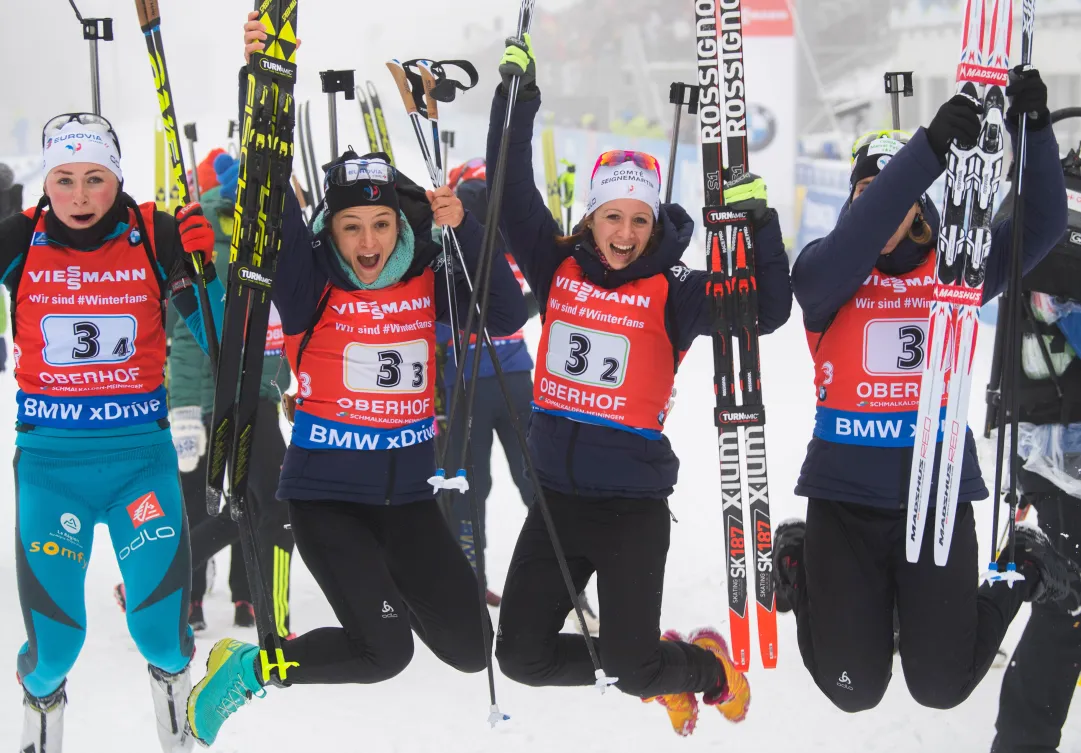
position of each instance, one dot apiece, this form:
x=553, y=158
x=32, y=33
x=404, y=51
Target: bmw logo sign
x=761, y=126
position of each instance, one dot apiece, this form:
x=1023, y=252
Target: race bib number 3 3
x=396, y=367
x=83, y=340
x=587, y=356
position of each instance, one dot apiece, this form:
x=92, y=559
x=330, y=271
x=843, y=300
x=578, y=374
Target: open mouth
x=82, y=219
x=368, y=261
x=621, y=252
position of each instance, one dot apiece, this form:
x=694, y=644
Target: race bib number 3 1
x=587, y=356
x=83, y=340
x=894, y=346
x=397, y=367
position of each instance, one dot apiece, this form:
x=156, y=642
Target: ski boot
x=170, y=692
x=244, y=617
x=787, y=559
x=43, y=722
x=195, y=617
x=682, y=708
x=231, y=681
x=732, y=696
x=1058, y=579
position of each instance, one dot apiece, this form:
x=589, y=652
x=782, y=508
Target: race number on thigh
x=81, y=340
x=395, y=367
x=587, y=356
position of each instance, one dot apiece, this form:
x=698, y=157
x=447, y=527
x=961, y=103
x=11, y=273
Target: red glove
x=196, y=233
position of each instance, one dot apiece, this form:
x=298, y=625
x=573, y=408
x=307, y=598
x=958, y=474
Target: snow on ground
x=431, y=707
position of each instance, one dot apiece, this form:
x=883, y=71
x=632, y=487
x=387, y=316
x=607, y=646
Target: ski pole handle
x=402, y=81
x=428, y=77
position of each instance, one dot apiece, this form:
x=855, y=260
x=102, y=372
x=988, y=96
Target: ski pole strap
x=446, y=88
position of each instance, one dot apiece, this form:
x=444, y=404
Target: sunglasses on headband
x=88, y=120
x=354, y=171
x=623, y=156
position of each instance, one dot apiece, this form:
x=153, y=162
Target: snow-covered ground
x=431, y=707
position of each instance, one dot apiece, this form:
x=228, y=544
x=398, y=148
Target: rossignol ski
x=973, y=176
x=150, y=22
x=722, y=118
x=381, y=123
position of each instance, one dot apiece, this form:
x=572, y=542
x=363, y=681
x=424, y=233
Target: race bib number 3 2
x=83, y=340
x=396, y=367
x=587, y=356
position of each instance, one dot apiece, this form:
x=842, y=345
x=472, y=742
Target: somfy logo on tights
x=388, y=612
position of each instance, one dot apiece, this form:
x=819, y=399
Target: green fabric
x=397, y=265
x=190, y=380
x=3, y=314
x=517, y=56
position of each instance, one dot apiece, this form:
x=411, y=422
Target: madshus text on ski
x=157, y=343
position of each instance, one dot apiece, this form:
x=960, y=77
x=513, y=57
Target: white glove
x=189, y=436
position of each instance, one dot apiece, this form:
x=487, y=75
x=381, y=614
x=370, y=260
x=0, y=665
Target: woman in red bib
x=359, y=294
x=866, y=292
x=619, y=309
x=89, y=272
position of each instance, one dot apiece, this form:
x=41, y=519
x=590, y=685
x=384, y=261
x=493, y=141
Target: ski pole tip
x=495, y=716
x=603, y=681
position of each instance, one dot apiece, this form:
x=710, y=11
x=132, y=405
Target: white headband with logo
x=625, y=181
x=75, y=143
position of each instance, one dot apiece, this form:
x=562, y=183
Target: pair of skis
x=314, y=194
x=730, y=260
x=375, y=125
x=266, y=159
x=973, y=177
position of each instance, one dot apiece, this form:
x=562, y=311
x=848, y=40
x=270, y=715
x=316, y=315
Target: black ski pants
x=387, y=572
x=855, y=573
x=270, y=516
x=491, y=417
x=624, y=541
x=1039, y=682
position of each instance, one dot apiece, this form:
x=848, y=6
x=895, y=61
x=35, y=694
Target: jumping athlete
x=619, y=312
x=359, y=294
x=89, y=271
x=865, y=291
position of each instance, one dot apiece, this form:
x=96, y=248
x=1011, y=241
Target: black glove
x=1028, y=96
x=957, y=119
x=518, y=60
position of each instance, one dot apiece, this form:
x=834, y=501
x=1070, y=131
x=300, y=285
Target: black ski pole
x=681, y=95
x=448, y=144
x=334, y=82
x=94, y=30
x=897, y=85
x=191, y=135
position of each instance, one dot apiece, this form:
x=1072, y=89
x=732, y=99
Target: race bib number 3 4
x=83, y=340
x=587, y=356
x=397, y=367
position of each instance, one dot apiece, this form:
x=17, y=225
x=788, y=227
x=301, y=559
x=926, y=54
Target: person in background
x=1039, y=682
x=11, y=199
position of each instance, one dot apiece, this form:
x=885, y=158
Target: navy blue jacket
x=513, y=357
x=831, y=270
x=306, y=265
x=584, y=459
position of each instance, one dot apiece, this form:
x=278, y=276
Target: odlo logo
x=388, y=612
x=844, y=682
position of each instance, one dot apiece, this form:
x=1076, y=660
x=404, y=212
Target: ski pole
x=448, y=144
x=1009, y=402
x=191, y=136
x=681, y=95
x=898, y=84
x=94, y=30
x=150, y=22
x=334, y=82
